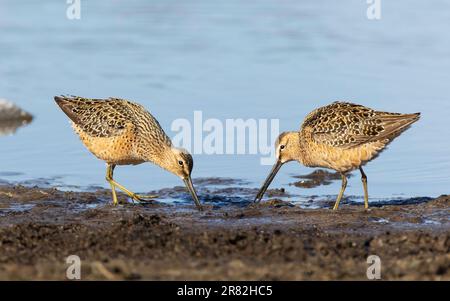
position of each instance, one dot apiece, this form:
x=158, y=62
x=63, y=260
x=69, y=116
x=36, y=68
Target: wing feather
x=97, y=117
x=348, y=125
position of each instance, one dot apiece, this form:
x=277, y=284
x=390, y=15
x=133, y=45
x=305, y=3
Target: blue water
x=230, y=59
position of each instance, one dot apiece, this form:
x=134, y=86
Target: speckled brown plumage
x=346, y=125
x=342, y=136
x=116, y=130
x=122, y=132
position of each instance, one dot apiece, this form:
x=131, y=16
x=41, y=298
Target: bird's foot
x=253, y=205
x=143, y=198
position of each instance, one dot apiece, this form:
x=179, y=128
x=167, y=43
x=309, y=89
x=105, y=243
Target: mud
x=275, y=240
x=317, y=178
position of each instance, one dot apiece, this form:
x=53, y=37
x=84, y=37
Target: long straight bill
x=269, y=180
x=190, y=187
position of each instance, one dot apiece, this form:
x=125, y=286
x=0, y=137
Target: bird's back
x=113, y=129
x=352, y=134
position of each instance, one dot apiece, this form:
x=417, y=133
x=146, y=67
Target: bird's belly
x=341, y=159
x=115, y=150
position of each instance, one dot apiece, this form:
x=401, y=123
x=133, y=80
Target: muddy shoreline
x=275, y=240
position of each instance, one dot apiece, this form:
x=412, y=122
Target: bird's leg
x=109, y=178
x=341, y=193
x=366, y=193
x=132, y=195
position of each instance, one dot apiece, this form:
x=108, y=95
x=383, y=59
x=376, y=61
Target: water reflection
x=12, y=117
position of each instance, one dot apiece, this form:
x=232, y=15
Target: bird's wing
x=348, y=125
x=97, y=117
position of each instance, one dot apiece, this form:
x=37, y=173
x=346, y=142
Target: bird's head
x=286, y=146
x=180, y=163
x=286, y=149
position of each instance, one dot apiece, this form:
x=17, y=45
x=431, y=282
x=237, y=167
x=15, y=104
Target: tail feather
x=66, y=104
x=395, y=124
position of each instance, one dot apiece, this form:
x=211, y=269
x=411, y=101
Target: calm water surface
x=230, y=59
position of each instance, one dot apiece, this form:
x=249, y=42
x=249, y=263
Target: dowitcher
x=341, y=136
x=121, y=132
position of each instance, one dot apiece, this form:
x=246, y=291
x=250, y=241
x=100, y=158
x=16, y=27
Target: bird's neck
x=162, y=155
x=302, y=150
x=298, y=152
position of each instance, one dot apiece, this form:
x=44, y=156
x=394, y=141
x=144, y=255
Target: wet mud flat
x=275, y=240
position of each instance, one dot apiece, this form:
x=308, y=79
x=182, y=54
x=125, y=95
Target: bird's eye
x=180, y=162
x=282, y=147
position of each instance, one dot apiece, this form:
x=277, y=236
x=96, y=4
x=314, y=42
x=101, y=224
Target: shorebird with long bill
x=121, y=132
x=341, y=136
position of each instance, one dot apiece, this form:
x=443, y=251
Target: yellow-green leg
x=366, y=192
x=114, y=184
x=341, y=193
x=109, y=175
